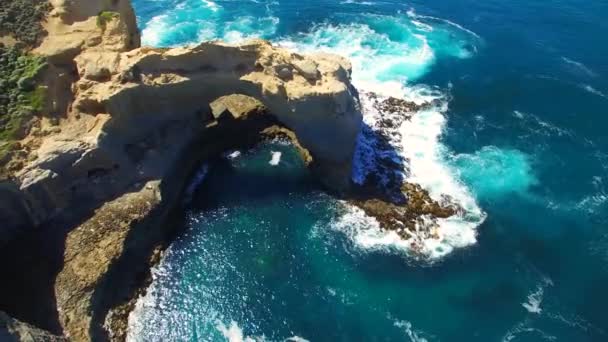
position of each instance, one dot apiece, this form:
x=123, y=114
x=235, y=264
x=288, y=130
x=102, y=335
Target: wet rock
x=417, y=216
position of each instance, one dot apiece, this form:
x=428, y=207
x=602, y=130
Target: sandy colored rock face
x=321, y=109
x=128, y=114
x=124, y=103
x=235, y=106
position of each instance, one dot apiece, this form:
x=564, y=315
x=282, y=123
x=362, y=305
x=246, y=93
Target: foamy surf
x=384, y=65
x=425, y=163
x=234, y=333
x=193, y=21
x=275, y=158
x=412, y=334
x=384, y=61
x=535, y=298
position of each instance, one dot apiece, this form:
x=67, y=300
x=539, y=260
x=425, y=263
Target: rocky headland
x=100, y=137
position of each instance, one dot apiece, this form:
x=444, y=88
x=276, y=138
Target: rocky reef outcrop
x=122, y=129
x=383, y=190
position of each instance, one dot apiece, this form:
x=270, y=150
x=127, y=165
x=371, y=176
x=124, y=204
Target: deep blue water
x=519, y=140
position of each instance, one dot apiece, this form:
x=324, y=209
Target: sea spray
x=387, y=54
x=194, y=21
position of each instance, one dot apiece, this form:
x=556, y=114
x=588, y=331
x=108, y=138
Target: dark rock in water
x=399, y=206
x=392, y=105
x=384, y=139
x=406, y=218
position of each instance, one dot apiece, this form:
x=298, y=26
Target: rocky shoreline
x=399, y=206
x=95, y=182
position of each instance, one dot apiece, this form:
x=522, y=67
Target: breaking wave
x=387, y=54
x=535, y=298
x=194, y=21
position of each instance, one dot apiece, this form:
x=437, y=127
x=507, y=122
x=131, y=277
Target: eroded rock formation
x=130, y=124
x=123, y=103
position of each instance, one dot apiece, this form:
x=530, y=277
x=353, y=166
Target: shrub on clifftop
x=104, y=17
x=21, y=97
x=21, y=19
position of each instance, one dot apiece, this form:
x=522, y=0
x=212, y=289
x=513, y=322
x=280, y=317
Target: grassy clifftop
x=21, y=19
x=20, y=96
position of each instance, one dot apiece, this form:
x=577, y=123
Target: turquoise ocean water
x=516, y=137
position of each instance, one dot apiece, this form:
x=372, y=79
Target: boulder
x=95, y=72
x=284, y=73
x=307, y=68
x=235, y=106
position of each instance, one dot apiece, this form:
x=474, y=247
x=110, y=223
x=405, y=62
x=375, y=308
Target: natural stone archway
x=90, y=205
x=314, y=97
x=134, y=123
x=123, y=97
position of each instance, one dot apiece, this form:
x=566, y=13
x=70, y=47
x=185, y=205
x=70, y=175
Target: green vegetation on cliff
x=21, y=19
x=104, y=17
x=21, y=96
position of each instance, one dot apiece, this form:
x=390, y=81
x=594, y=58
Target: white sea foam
x=211, y=5
x=232, y=154
x=412, y=13
x=189, y=22
x=193, y=21
x=354, y=2
x=153, y=29
x=296, y=339
x=233, y=333
x=579, y=66
x=543, y=127
x=427, y=167
x=594, y=91
x=522, y=328
x=535, y=298
x=383, y=63
x=249, y=27
x=275, y=158
x=383, y=59
x=411, y=333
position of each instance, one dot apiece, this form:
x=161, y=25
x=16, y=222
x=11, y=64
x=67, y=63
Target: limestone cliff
x=117, y=98
x=133, y=124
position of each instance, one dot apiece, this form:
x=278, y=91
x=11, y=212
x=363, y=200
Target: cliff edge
x=119, y=131
x=112, y=96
